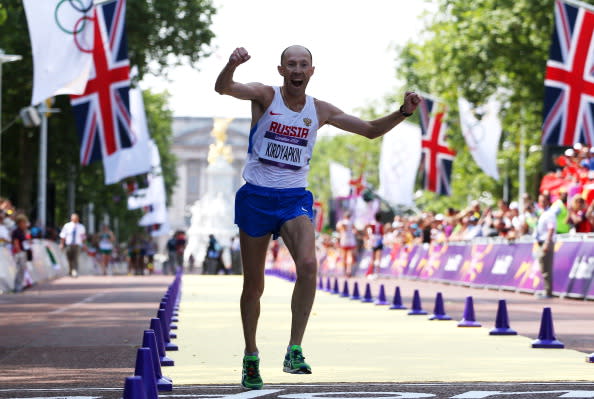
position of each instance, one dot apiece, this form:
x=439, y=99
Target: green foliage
x=359, y=154
x=476, y=49
x=166, y=33
x=160, y=34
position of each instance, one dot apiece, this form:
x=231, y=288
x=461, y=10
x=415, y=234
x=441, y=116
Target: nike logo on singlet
x=274, y=113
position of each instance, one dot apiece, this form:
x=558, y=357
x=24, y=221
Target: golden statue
x=219, y=149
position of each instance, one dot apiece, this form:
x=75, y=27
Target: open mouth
x=297, y=82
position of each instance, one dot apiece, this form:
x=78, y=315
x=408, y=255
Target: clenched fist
x=411, y=101
x=239, y=56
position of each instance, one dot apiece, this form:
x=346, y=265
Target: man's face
x=74, y=218
x=296, y=68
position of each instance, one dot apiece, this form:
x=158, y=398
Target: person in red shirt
x=577, y=215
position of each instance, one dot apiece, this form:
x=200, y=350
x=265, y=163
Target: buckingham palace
x=192, y=140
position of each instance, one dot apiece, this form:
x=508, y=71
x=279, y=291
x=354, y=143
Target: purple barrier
x=452, y=262
x=476, y=259
x=491, y=264
x=573, y=271
x=417, y=260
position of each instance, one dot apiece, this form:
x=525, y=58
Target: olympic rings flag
x=61, y=33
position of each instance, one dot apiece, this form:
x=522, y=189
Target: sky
x=352, y=42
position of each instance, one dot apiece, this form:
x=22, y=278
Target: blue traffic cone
x=144, y=368
x=590, y=358
x=397, y=301
x=134, y=388
x=416, y=309
x=328, y=285
x=439, y=309
x=335, y=289
x=320, y=283
x=546, y=336
x=468, y=320
x=355, y=295
x=502, y=321
x=381, y=299
x=345, y=289
x=367, y=296
x=169, y=346
x=149, y=341
x=163, y=358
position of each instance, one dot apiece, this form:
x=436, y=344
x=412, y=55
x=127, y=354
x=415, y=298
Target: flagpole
x=42, y=179
x=522, y=165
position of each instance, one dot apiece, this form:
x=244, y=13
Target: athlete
x=347, y=241
x=274, y=201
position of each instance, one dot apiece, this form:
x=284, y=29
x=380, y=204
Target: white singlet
x=281, y=144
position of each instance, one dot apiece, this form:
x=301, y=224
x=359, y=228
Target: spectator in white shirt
x=72, y=237
x=4, y=231
x=545, y=239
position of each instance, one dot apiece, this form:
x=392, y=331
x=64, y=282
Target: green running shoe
x=295, y=362
x=250, y=375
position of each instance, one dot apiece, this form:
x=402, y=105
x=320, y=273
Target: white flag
x=157, y=215
x=61, y=34
x=155, y=192
x=399, y=162
x=340, y=177
x=131, y=161
x=482, y=136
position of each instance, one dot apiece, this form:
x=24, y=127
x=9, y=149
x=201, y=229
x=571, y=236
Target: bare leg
x=299, y=237
x=253, y=256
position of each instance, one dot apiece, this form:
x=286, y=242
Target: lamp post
x=4, y=58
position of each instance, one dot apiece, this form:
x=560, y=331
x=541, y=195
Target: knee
x=252, y=291
x=307, y=269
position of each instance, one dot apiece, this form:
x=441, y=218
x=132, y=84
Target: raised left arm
x=329, y=114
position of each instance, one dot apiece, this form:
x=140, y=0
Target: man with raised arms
x=274, y=201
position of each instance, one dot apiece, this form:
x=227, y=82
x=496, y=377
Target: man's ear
x=281, y=70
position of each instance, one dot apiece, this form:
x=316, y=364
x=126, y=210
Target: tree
x=477, y=49
x=160, y=35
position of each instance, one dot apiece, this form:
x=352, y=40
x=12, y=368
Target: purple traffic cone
x=468, y=320
x=367, y=296
x=502, y=321
x=546, y=336
x=144, y=368
x=163, y=358
x=439, y=309
x=328, y=285
x=416, y=308
x=149, y=341
x=397, y=301
x=345, y=290
x=335, y=289
x=355, y=295
x=169, y=346
x=134, y=388
x=320, y=283
x=381, y=299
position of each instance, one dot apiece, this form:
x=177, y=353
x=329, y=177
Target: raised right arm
x=225, y=84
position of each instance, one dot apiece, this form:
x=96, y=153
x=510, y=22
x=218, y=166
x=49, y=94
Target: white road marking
x=73, y=305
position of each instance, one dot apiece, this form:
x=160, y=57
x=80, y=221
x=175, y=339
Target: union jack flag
x=568, y=114
x=436, y=157
x=102, y=112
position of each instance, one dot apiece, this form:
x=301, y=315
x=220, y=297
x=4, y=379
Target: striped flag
x=568, y=113
x=436, y=157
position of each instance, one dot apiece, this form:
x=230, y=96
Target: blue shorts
x=262, y=210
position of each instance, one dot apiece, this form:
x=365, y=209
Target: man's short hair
x=294, y=45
